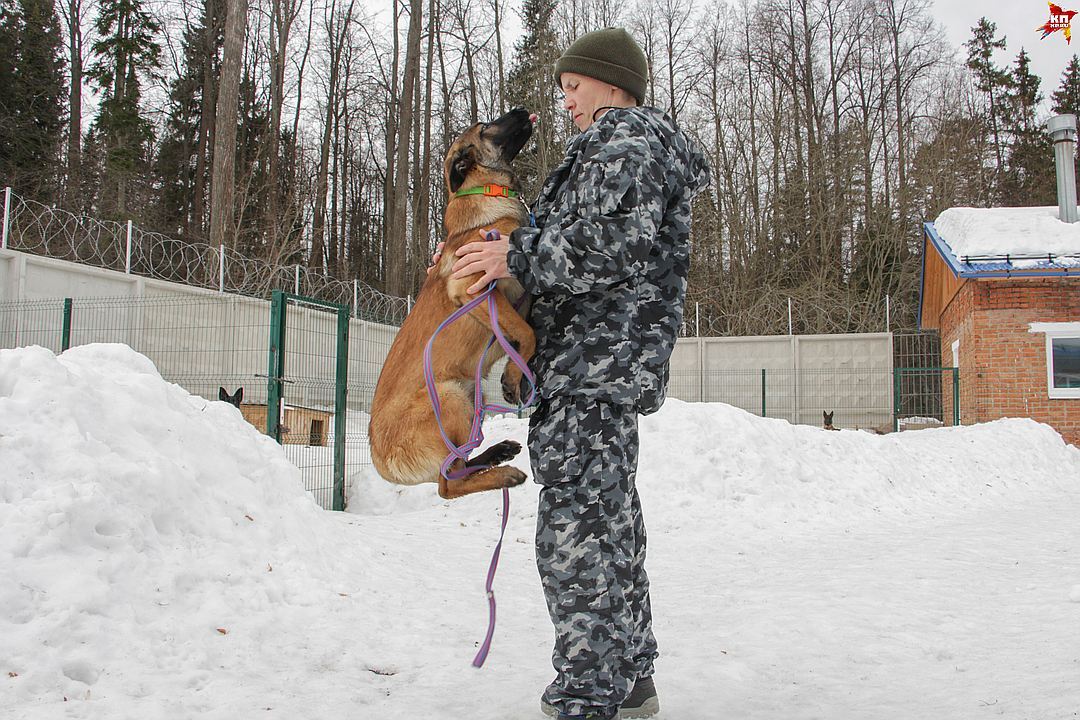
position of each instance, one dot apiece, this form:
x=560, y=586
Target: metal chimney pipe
x=1062, y=129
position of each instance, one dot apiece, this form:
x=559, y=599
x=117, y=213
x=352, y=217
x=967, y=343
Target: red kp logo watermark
x=1059, y=20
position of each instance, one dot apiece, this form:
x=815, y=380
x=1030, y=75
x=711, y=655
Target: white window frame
x=1053, y=331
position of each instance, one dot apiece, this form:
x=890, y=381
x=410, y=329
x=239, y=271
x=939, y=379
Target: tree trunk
x=424, y=183
x=498, y=56
x=223, y=178
x=318, y=223
x=391, y=254
x=206, y=122
x=283, y=14
x=398, y=230
x=75, y=58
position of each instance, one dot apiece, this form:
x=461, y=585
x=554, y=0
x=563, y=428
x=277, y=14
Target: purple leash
x=476, y=432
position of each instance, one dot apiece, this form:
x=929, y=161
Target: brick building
x=1002, y=286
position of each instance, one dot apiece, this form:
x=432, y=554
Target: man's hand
x=484, y=256
x=435, y=258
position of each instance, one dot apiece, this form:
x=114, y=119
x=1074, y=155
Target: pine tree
x=1029, y=179
x=1067, y=97
x=251, y=168
x=9, y=33
x=31, y=98
x=1024, y=95
x=126, y=51
x=532, y=86
x=989, y=78
x=177, y=165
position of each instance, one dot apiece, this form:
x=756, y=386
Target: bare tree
x=283, y=14
x=223, y=179
x=398, y=224
x=72, y=12
x=337, y=31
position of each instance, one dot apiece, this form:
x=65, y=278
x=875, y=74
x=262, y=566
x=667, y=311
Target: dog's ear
x=463, y=162
x=239, y=396
x=222, y=395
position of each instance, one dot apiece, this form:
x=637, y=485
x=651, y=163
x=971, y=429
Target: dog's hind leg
x=501, y=476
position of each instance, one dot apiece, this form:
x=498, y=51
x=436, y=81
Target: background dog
x=826, y=420
x=406, y=446
x=234, y=399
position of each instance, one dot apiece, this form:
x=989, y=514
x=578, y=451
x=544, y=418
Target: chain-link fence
x=199, y=342
x=31, y=227
x=880, y=400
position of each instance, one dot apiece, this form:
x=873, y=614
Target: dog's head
x=490, y=146
x=826, y=420
x=234, y=399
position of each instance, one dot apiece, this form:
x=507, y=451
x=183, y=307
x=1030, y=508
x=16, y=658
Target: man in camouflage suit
x=606, y=266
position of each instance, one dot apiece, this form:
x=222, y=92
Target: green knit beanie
x=609, y=55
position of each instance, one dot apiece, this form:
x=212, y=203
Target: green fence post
x=65, y=333
x=341, y=380
x=762, y=392
x=275, y=366
x=896, y=399
x=956, y=395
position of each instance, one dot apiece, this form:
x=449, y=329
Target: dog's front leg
x=518, y=332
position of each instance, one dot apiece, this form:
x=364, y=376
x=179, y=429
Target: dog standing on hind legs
x=406, y=445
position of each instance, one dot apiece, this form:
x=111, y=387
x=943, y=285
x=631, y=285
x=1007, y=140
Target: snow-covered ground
x=159, y=559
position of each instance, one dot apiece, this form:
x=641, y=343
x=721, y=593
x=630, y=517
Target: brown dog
x=406, y=446
x=826, y=420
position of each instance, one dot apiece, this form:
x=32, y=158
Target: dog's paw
x=507, y=450
x=511, y=384
x=499, y=453
x=514, y=477
x=511, y=392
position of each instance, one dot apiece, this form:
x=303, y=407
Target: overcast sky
x=1016, y=20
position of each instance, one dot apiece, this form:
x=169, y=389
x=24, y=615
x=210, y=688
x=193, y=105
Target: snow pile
x=716, y=460
x=159, y=558
x=715, y=463
x=135, y=512
x=1008, y=231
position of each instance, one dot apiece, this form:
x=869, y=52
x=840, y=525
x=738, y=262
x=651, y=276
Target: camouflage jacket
x=607, y=263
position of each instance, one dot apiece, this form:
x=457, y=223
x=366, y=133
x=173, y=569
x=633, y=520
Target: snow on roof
x=993, y=233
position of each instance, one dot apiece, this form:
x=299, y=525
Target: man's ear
x=460, y=167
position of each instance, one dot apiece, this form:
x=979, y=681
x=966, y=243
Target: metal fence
x=882, y=400
x=207, y=342
x=211, y=341
x=180, y=335
x=31, y=227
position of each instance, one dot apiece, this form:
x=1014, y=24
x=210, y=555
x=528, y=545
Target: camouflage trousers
x=590, y=551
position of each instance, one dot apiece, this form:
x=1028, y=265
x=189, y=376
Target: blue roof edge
x=958, y=270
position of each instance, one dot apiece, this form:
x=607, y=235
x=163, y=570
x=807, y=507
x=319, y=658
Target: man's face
x=584, y=96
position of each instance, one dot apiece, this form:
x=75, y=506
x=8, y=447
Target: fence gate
x=305, y=390
x=924, y=394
